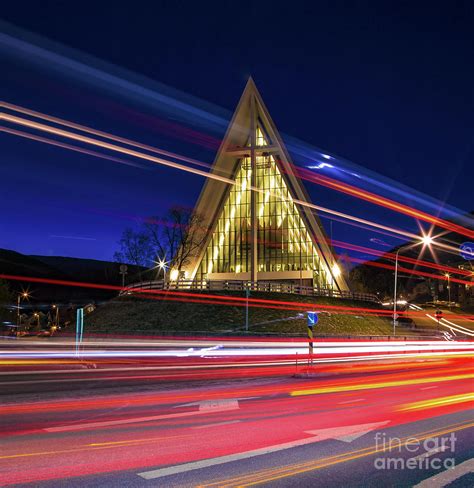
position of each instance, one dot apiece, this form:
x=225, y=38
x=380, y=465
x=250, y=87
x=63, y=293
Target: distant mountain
x=15, y=263
x=90, y=270
x=66, y=269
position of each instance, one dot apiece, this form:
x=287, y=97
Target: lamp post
x=395, y=288
x=37, y=316
x=21, y=295
x=56, y=314
x=163, y=265
x=426, y=240
x=448, y=276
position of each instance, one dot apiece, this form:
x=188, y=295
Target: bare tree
x=177, y=237
x=135, y=248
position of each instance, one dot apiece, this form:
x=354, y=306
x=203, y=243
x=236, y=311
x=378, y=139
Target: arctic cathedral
x=261, y=227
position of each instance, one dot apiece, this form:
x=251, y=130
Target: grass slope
x=133, y=314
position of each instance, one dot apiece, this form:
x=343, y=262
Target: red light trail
x=382, y=201
x=363, y=194
x=200, y=297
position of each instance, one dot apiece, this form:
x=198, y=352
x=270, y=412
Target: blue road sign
x=312, y=318
x=466, y=250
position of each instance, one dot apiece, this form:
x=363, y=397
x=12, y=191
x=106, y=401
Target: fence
x=234, y=285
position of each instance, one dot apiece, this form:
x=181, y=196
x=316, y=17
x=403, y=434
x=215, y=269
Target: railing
x=234, y=285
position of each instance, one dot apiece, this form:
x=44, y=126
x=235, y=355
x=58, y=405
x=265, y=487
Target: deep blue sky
x=389, y=86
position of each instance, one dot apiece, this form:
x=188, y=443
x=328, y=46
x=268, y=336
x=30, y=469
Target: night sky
x=389, y=86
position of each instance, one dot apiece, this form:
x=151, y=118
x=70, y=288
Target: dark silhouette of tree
x=135, y=248
x=5, y=299
x=177, y=237
x=174, y=238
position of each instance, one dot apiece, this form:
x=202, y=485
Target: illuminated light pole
x=163, y=265
x=448, y=276
x=18, y=315
x=425, y=240
x=56, y=314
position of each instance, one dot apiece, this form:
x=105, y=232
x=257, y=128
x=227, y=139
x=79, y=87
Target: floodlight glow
x=174, y=274
x=427, y=240
x=162, y=264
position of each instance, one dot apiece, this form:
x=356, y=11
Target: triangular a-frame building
x=256, y=230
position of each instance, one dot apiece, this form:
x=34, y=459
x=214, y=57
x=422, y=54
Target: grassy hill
x=154, y=316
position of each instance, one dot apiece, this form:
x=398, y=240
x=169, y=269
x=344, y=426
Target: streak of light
x=383, y=201
x=64, y=145
x=407, y=270
x=99, y=133
x=438, y=402
x=133, y=153
x=202, y=298
x=452, y=326
x=172, y=295
x=406, y=259
x=386, y=384
x=112, y=147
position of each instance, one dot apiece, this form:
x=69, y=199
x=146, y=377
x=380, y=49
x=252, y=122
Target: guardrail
x=233, y=285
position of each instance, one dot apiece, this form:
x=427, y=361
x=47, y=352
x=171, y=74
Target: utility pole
x=448, y=276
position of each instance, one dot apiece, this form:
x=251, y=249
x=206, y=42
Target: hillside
x=154, y=316
x=62, y=268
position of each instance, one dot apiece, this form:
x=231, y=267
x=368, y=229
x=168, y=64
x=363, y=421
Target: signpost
x=311, y=321
x=79, y=328
x=123, y=271
x=395, y=321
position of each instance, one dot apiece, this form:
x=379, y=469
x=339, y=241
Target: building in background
x=262, y=226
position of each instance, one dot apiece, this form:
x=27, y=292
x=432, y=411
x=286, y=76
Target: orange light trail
x=87, y=140
x=99, y=133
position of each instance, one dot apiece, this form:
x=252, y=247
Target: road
x=275, y=430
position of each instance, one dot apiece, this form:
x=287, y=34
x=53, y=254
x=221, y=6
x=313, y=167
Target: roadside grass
x=155, y=315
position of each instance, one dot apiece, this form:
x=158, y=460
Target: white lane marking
x=217, y=424
x=318, y=435
x=446, y=477
x=430, y=452
x=228, y=403
x=428, y=387
x=136, y=420
x=346, y=433
x=352, y=401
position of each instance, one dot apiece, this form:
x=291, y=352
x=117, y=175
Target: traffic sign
x=466, y=251
x=312, y=318
x=395, y=316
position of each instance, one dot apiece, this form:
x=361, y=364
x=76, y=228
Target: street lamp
x=56, y=318
x=163, y=265
x=448, y=276
x=21, y=295
x=426, y=240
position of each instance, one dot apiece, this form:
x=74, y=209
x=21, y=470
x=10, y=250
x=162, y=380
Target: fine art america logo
x=426, y=453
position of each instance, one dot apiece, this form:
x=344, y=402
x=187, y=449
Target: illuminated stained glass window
x=283, y=241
